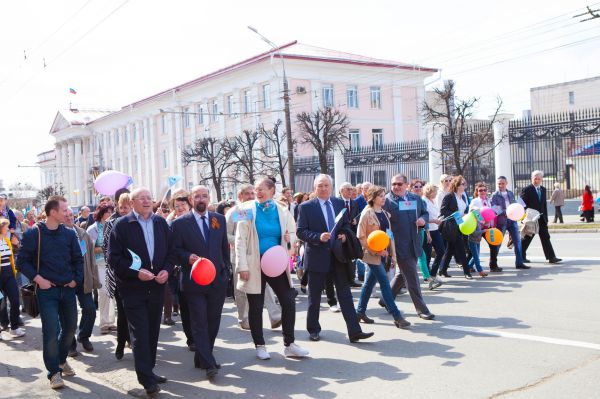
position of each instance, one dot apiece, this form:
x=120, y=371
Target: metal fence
x=565, y=146
x=376, y=164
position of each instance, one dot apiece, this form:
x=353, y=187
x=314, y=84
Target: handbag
x=449, y=230
x=29, y=291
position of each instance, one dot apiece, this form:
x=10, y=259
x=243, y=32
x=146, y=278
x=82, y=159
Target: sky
x=114, y=52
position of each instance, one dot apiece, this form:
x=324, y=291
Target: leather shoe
x=427, y=316
x=276, y=324
x=468, y=276
x=87, y=345
x=361, y=335
x=153, y=391
x=525, y=260
x=523, y=267
x=495, y=269
x=160, y=379
x=168, y=321
x=445, y=274
x=211, y=373
x=555, y=260
x=401, y=322
x=356, y=284
x=315, y=337
x=364, y=318
x=119, y=351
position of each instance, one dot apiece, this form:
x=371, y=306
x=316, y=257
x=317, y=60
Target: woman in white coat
x=269, y=225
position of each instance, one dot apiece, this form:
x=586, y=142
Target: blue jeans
x=88, y=314
x=437, y=242
x=360, y=269
x=58, y=311
x=475, y=250
x=8, y=286
x=377, y=274
x=513, y=230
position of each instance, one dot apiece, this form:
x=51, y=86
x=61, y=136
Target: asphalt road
x=530, y=334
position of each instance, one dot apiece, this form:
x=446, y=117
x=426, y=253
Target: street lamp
x=286, y=102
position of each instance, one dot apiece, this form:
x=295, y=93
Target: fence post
x=339, y=168
x=434, y=146
x=502, y=157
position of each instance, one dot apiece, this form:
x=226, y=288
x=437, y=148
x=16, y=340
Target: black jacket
x=530, y=197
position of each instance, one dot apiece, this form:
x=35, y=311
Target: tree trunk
x=323, y=164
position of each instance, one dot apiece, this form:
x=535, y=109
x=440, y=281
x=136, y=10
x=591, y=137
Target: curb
x=559, y=231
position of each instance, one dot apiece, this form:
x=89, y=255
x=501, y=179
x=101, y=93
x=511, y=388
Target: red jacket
x=587, y=204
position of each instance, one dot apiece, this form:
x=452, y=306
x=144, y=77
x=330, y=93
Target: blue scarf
x=267, y=206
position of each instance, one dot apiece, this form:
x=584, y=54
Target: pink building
x=145, y=139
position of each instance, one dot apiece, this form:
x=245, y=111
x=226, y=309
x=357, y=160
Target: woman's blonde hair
x=429, y=189
x=124, y=199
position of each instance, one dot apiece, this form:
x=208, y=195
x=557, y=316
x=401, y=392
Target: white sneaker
x=261, y=352
x=334, y=309
x=56, y=381
x=19, y=332
x=294, y=350
x=67, y=370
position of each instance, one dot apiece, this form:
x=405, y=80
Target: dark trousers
x=122, y=325
x=316, y=282
x=409, y=277
x=144, y=312
x=205, y=315
x=184, y=312
x=437, y=243
x=88, y=316
x=558, y=214
x=513, y=230
x=58, y=311
x=9, y=286
x=330, y=291
x=589, y=215
x=544, y=238
x=286, y=296
x=455, y=248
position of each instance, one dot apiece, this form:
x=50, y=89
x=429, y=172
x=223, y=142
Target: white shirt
x=434, y=213
x=462, y=205
x=199, y=220
x=479, y=203
x=324, y=210
x=4, y=253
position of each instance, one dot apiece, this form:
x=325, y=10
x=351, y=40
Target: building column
x=434, y=146
x=88, y=157
x=339, y=168
x=58, y=152
x=152, y=139
x=71, y=171
x=78, y=186
x=64, y=169
x=113, y=144
x=177, y=161
x=147, y=180
x=398, y=120
x=194, y=136
x=138, y=148
x=421, y=129
x=502, y=158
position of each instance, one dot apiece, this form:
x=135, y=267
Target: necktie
x=539, y=193
x=204, y=228
x=348, y=207
x=330, y=219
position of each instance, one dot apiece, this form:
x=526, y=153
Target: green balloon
x=468, y=225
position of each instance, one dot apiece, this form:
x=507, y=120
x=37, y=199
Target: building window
x=356, y=177
x=379, y=178
x=186, y=117
x=247, y=99
x=200, y=112
x=165, y=159
x=354, y=135
x=571, y=98
x=163, y=123
x=269, y=147
x=328, y=96
x=376, y=97
x=215, y=111
x=266, y=96
x=377, y=138
x=352, y=94
x=230, y=105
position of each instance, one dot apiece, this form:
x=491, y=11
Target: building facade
x=145, y=139
x=566, y=97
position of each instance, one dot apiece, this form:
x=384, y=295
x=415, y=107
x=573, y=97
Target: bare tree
x=212, y=154
x=324, y=130
x=463, y=140
x=49, y=191
x=243, y=150
x=274, y=156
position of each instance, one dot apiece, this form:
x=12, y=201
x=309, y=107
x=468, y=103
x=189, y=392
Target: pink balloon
x=274, y=261
x=109, y=181
x=487, y=213
x=515, y=211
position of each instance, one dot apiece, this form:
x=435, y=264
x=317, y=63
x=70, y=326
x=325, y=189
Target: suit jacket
x=353, y=214
x=361, y=202
x=188, y=240
x=311, y=224
x=91, y=279
x=531, y=200
x=127, y=234
x=402, y=224
x=498, y=200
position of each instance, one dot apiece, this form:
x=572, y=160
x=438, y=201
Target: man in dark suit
x=140, y=250
x=203, y=234
x=353, y=212
x=534, y=197
x=315, y=224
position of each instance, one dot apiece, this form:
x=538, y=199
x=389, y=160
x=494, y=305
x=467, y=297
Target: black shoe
x=211, y=373
x=383, y=305
x=525, y=260
x=361, y=335
x=468, y=276
x=160, y=379
x=364, y=318
x=555, y=260
x=315, y=337
x=303, y=289
x=495, y=269
x=73, y=353
x=168, y=321
x=119, y=351
x=524, y=267
x=445, y=274
x=356, y=284
x=401, y=322
x=153, y=391
x=427, y=316
x=87, y=345
x=361, y=278
x=192, y=347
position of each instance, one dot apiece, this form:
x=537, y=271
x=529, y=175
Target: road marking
x=506, y=334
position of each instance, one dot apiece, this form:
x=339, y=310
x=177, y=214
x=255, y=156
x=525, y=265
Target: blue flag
x=83, y=247
x=1, y=295
x=129, y=182
x=457, y=217
x=242, y=214
x=136, y=264
x=407, y=205
x=172, y=180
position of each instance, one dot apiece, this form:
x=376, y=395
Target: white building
x=48, y=170
x=566, y=97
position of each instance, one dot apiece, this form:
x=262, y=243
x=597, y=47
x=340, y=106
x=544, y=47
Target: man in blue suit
x=316, y=222
x=203, y=234
x=142, y=286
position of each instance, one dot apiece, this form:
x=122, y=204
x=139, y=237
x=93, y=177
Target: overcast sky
x=114, y=52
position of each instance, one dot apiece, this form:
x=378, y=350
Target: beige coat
x=367, y=224
x=558, y=197
x=91, y=279
x=246, y=247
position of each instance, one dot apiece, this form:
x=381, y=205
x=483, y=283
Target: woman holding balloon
x=479, y=203
x=379, y=254
x=264, y=235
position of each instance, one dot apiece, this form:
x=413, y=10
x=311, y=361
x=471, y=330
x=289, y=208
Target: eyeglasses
x=398, y=184
x=447, y=180
x=417, y=187
x=463, y=183
x=481, y=190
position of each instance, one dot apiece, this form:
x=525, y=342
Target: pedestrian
x=316, y=223
x=345, y=193
x=445, y=181
x=8, y=278
x=408, y=216
x=140, y=250
x=51, y=257
x=374, y=218
x=534, y=197
x=272, y=225
x=91, y=282
x=587, y=204
x=416, y=187
x=479, y=201
x=203, y=234
x=7, y=213
x=361, y=200
x=558, y=200
x=435, y=240
x=85, y=216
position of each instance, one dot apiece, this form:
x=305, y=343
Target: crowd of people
x=131, y=261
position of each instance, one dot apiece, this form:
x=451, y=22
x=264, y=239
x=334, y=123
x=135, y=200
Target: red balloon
x=203, y=271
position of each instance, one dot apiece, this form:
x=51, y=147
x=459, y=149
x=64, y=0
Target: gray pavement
x=432, y=359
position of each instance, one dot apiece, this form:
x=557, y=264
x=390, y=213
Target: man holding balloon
x=202, y=248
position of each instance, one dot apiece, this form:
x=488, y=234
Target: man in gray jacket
x=408, y=214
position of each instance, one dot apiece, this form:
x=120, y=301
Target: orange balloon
x=203, y=272
x=378, y=241
x=494, y=236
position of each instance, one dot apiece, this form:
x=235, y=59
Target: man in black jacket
x=141, y=252
x=534, y=196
